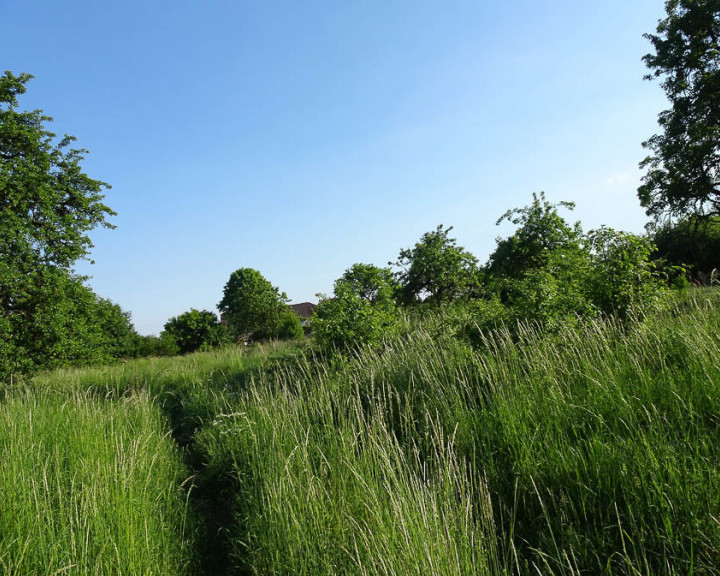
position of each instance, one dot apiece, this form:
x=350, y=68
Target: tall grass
x=323, y=486
x=594, y=449
x=90, y=487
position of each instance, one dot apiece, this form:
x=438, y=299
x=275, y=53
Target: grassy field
x=90, y=487
x=591, y=450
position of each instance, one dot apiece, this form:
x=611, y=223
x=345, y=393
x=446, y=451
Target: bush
x=64, y=324
x=196, y=330
x=621, y=276
x=693, y=243
x=163, y=345
x=348, y=321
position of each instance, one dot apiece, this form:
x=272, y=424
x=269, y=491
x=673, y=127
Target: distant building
x=304, y=310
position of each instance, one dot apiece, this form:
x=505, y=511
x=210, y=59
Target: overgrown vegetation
x=90, y=487
x=460, y=450
x=555, y=411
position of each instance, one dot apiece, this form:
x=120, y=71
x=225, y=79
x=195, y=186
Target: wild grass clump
x=599, y=441
x=323, y=486
x=601, y=445
x=90, y=487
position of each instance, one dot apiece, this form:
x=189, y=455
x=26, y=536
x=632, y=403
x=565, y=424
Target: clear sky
x=298, y=138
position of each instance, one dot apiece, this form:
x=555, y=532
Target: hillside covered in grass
x=455, y=449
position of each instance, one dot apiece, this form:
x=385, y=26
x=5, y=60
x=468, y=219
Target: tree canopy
x=48, y=205
x=370, y=282
x=255, y=309
x=361, y=311
x=683, y=175
x=542, y=233
x=196, y=330
x=437, y=267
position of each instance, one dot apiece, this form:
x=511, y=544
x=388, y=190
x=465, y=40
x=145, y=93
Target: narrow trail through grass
x=589, y=450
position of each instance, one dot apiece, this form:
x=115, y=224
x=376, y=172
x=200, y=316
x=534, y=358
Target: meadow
x=589, y=449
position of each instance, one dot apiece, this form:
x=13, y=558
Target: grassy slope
x=594, y=450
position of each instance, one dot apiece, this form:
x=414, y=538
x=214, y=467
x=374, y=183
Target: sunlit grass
x=90, y=487
x=591, y=450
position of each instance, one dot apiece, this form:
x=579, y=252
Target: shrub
x=196, y=330
x=621, y=276
x=348, y=320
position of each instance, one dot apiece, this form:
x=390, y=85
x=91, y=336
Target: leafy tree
x=543, y=235
x=63, y=324
x=621, y=276
x=163, y=345
x=436, y=267
x=48, y=203
x=255, y=309
x=196, y=330
x=683, y=174
x=370, y=282
x=47, y=207
x=116, y=327
x=549, y=272
x=289, y=326
x=539, y=271
x=361, y=312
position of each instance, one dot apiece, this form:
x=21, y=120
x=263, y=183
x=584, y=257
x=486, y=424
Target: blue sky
x=298, y=138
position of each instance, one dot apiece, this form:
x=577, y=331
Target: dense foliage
x=255, y=309
x=691, y=242
x=361, y=312
x=683, y=175
x=196, y=330
x=436, y=268
x=548, y=272
x=48, y=317
x=57, y=321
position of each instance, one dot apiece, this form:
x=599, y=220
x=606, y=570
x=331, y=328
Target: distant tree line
x=548, y=272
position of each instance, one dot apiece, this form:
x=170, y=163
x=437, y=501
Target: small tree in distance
x=196, y=330
x=436, y=267
x=255, y=309
x=542, y=233
x=361, y=312
x=371, y=282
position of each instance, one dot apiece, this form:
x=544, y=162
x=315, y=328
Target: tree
x=63, y=323
x=48, y=203
x=361, y=312
x=542, y=233
x=163, y=345
x=551, y=273
x=437, y=267
x=370, y=282
x=621, y=277
x=683, y=174
x=196, y=330
x=47, y=207
x=255, y=309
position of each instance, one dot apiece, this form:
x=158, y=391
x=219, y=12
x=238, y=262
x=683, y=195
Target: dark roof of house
x=304, y=310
